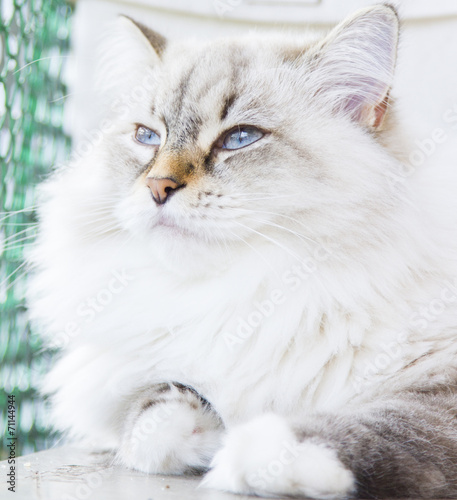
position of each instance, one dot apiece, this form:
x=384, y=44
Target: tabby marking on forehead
x=229, y=101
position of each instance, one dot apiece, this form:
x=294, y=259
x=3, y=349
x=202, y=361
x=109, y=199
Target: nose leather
x=161, y=188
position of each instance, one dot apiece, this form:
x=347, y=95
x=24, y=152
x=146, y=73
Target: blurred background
x=34, y=42
x=47, y=102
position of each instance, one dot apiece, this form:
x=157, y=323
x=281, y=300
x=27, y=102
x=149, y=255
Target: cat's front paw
x=263, y=457
x=172, y=431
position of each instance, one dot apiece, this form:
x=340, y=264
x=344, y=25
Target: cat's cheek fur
x=263, y=457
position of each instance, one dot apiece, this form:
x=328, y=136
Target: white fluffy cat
x=240, y=276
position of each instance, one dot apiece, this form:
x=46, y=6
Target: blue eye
x=147, y=136
x=241, y=137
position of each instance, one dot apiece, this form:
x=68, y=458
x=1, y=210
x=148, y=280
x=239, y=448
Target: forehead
x=191, y=73
x=201, y=85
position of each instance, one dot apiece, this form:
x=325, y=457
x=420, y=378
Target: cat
x=239, y=278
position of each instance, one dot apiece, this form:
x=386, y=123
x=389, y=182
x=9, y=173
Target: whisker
x=255, y=193
x=102, y=233
x=101, y=223
x=15, y=212
x=100, y=211
x=257, y=252
x=105, y=196
x=64, y=97
x=40, y=59
x=18, y=278
x=19, y=224
x=11, y=274
x=219, y=241
x=293, y=219
x=102, y=215
x=263, y=196
x=272, y=224
x=19, y=249
x=95, y=206
x=16, y=245
x=96, y=234
x=14, y=242
x=15, y=235
x=269, y=239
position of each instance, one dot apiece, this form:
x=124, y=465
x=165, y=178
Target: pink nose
x=161, y=189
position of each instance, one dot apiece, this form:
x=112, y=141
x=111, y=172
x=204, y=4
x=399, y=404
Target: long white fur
x=264, y=457
x=183, y=294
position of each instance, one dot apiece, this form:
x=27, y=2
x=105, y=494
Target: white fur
x=371, y=256
x=264, y=457
x=169, y=438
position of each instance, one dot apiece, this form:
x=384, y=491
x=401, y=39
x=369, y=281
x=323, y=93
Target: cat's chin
x=185, y=250
x=167, y=229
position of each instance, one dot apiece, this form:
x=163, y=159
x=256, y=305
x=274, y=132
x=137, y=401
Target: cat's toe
x=263, y=457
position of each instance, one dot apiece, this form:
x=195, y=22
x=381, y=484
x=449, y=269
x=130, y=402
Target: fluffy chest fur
x=291, y=331
x=287, y=272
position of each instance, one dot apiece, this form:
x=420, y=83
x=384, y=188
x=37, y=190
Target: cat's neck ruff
x=312, y=311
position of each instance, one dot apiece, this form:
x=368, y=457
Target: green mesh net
x=33, y=48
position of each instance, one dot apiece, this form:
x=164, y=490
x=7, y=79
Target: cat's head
x=250, y=138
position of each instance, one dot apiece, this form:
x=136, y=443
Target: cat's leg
x=170, y=429
x=405, y=447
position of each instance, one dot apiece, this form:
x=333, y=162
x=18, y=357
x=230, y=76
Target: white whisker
x=15, y=242
x=283, y=228
x=15, y=235
x=275, y=214
x=269, y=264
x=40, y=59
x=17, y=224
x=287, y=250
x=15, y=212
x=10, y=275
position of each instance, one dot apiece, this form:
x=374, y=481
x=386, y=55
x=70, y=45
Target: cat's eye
x=240, y=137
x=147, y=136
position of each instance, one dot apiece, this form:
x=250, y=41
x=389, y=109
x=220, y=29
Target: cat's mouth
x=166, y=222
x=172, y=227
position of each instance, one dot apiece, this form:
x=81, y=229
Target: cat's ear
x=355, y=65
x=128, y=53
x=155, y=40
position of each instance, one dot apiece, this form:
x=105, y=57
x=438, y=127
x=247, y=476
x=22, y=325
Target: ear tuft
x=157, y=41
x=128, y=57
x=355, y=65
